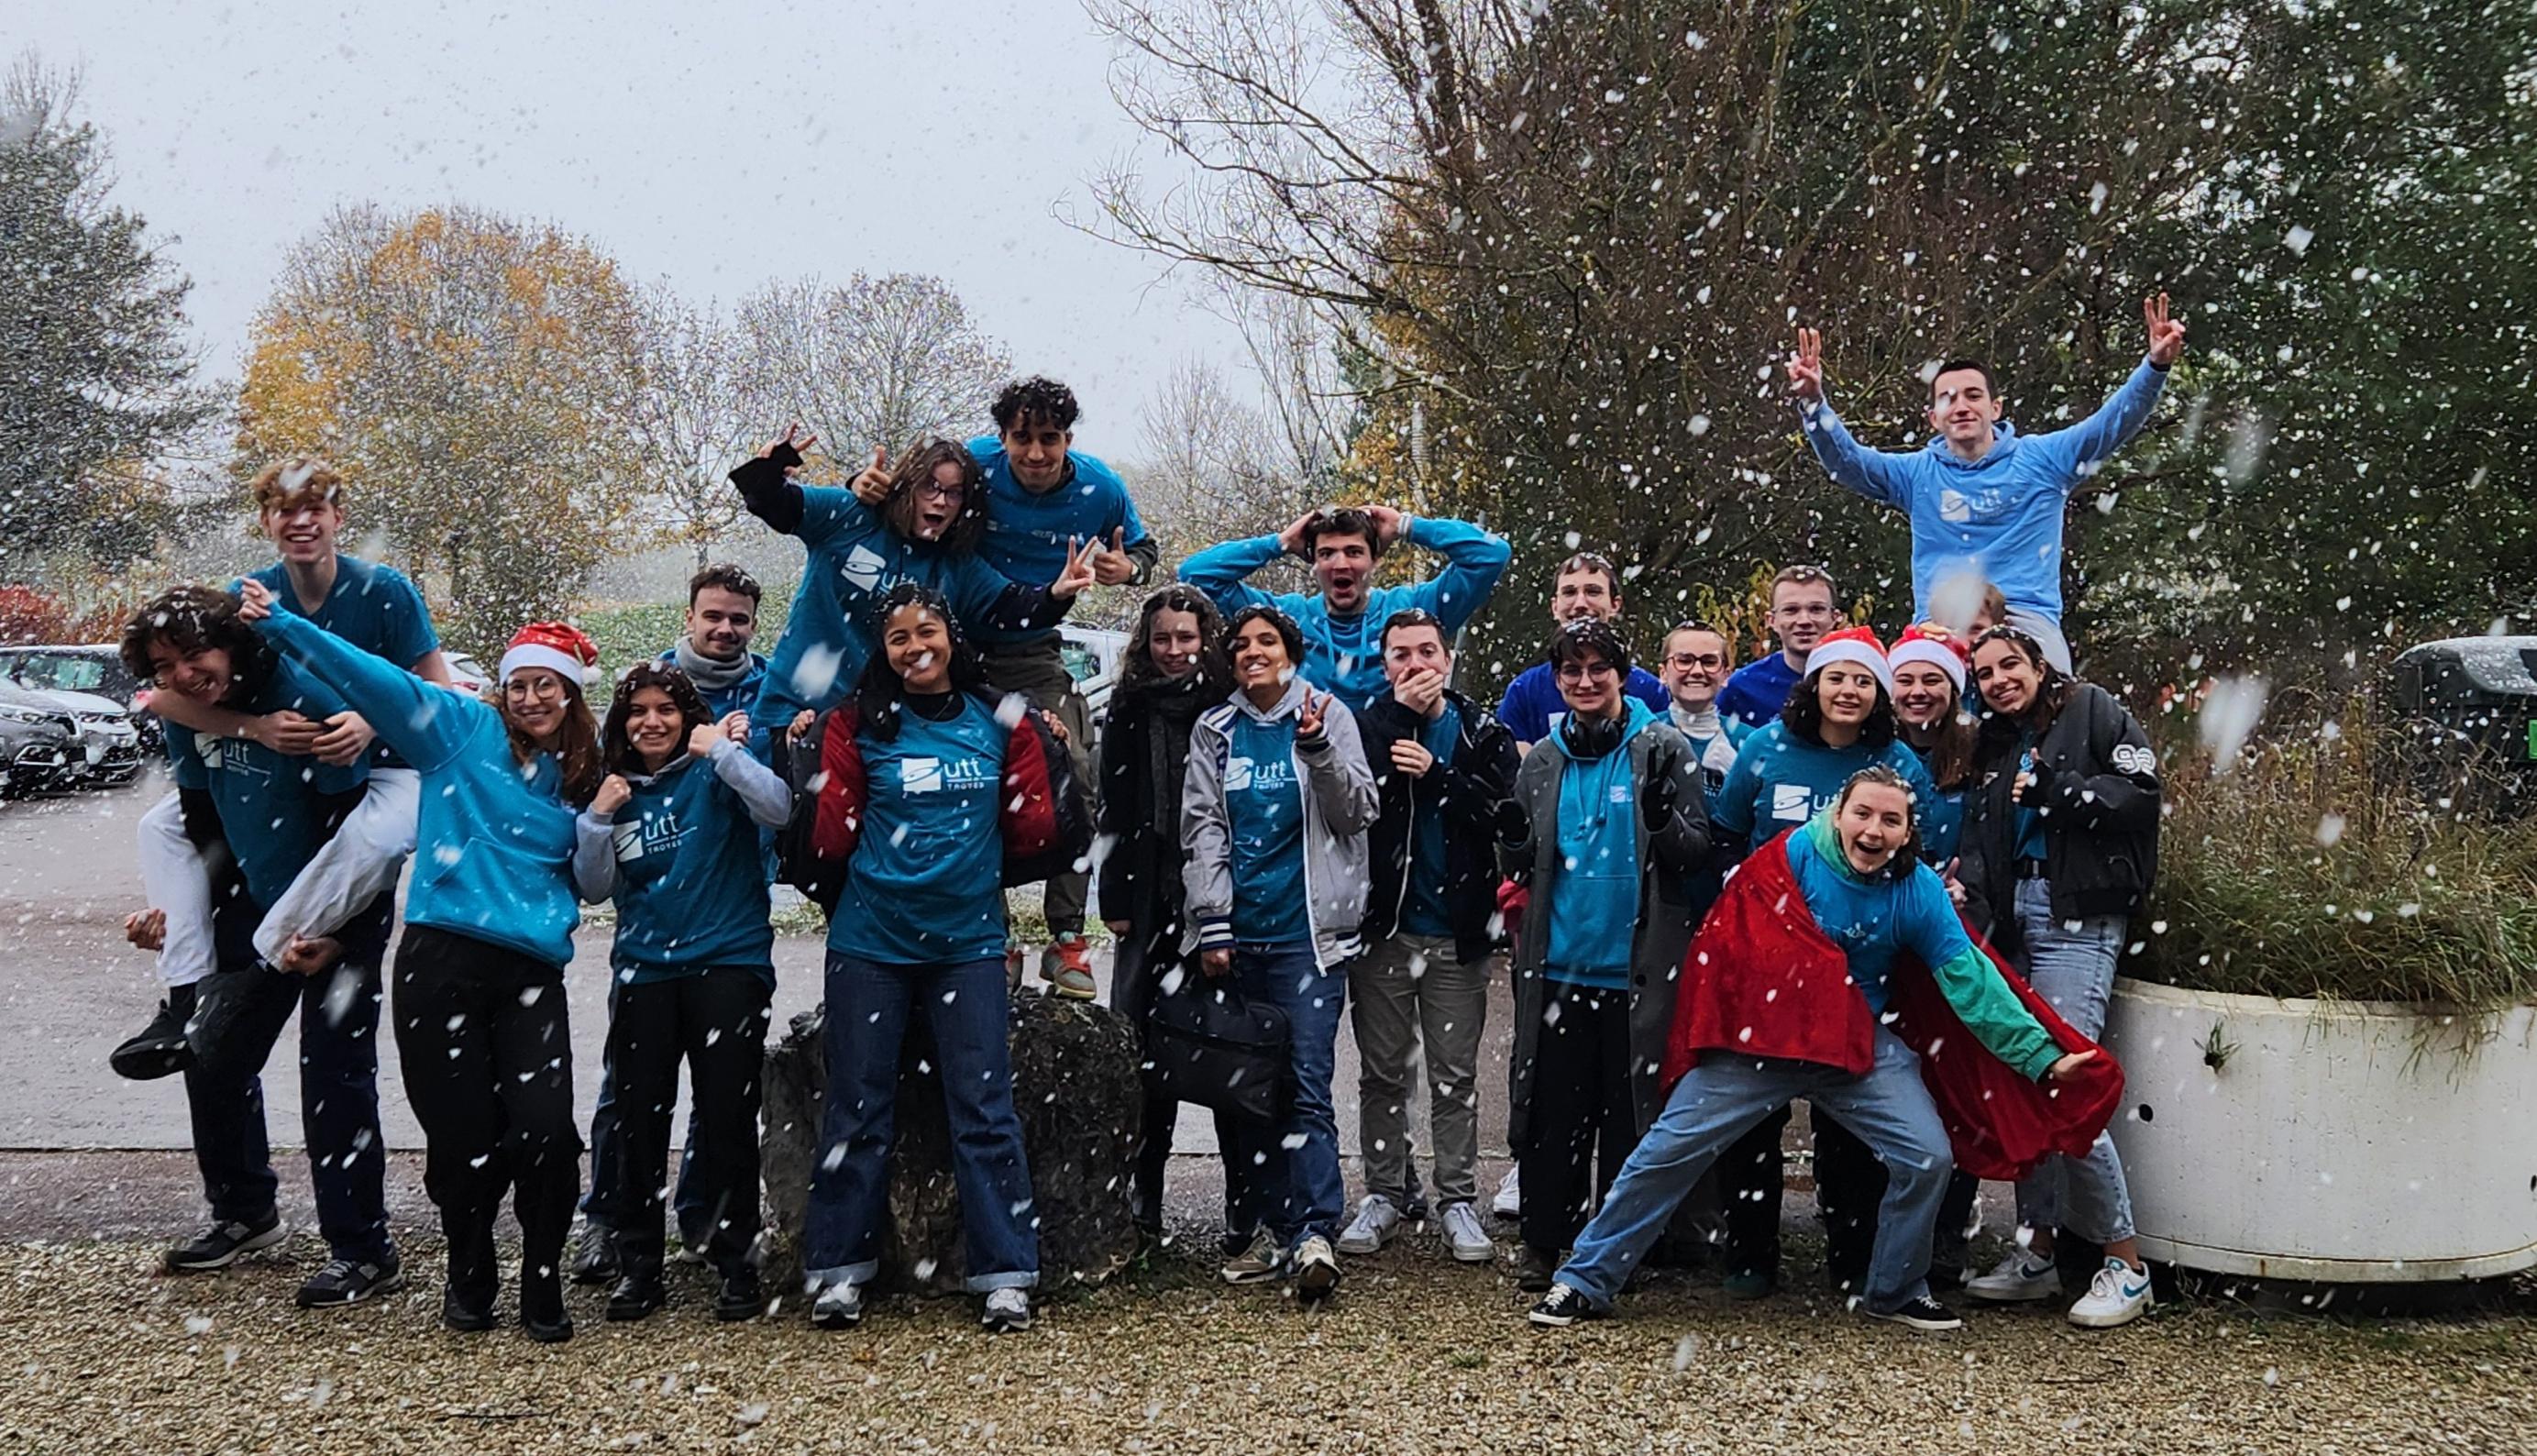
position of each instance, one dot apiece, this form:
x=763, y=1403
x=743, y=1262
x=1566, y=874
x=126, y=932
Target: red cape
x=1762, y=979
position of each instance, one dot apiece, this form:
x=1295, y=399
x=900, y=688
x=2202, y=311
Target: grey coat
x=1664, y=770
x=1340, y=806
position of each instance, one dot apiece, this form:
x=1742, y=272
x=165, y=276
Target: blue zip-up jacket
x=1594, y=900
x=1780, y=782
x=680, y=860
x=494, y=845
x=1343, y=656
x=1999, y=516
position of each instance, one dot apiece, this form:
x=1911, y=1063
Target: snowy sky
x=716, y=145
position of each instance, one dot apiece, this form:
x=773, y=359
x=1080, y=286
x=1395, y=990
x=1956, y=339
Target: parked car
x=96, y=668
x=1092, y=656
x=38, y=741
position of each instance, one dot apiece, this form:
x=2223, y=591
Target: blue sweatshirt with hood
x=1998, y=518
x=1594, y=900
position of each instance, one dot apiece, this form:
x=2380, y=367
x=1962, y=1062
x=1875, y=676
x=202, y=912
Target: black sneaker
x=1563, y=1306
x=468, y=1313
x=1533, y=1270
x=161, y=1048
x=595, y=1261
x=741, y=1297
x=634, y=1297
x=349, y=1282
x=223, y=1244
x=1924, y=1313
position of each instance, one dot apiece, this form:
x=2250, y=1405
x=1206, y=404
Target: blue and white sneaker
x=2117, y=1296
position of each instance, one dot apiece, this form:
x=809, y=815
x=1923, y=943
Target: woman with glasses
x=1612, y=830
x=925, y=531
x=479, y=1002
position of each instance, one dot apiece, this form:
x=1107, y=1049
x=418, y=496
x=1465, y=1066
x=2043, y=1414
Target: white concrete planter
x=2336, y=1141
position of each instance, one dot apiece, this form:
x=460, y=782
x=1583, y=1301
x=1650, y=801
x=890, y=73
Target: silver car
x=109, y=749
x=38, y=741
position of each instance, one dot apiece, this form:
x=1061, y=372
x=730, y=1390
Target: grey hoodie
x=1339, y=804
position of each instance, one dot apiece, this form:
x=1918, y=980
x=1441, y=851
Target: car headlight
x=101, y=719
x=16, y=714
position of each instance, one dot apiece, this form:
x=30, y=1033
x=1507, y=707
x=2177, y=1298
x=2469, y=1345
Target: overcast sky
x=716, y=145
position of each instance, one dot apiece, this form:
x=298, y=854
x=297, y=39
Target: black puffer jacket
x=2095, y=781
x=1475, y=791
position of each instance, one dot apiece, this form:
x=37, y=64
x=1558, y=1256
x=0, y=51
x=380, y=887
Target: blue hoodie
x=680, y=860
x=1780, y=782
x=1595, y=899
x=854, y=560
x=1998, y=517
x=1343, y=656
x=494, y=845
x=1027, y=531
x=271, y=806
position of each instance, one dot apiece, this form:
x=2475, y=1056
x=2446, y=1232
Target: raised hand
x=1079, y=572
x=255, y=600
x=612, y=793
x=871, y=483
x=1388, y=523
x=2165, y=335
x=1805, y=366
x=703, y=738
x=799, y=447
x=1114, y=566
x=1308, y=718
x=1291, y=540
x=734, y=726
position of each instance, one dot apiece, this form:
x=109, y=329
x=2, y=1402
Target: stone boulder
x=1080, y=1094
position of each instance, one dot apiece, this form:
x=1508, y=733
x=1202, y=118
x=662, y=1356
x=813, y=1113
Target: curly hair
x=1342, y=520
x=301, y=480
x=1038, y=398
x=880, y=693
x=617, y=739
x=1137, y=672
x=1285, y=626
x=194, y=618
x=917, y=467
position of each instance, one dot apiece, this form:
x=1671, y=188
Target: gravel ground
x=1419, y=1354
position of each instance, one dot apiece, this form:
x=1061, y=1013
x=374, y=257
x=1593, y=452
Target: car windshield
x=58, y=671
x=1082, y=662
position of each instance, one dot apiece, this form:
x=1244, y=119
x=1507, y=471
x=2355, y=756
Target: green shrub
x=2316, y=869
x=626, y=635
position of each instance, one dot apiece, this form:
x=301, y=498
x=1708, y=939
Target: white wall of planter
x=2340, y=1141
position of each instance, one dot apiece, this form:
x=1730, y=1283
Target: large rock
x=1076, y=1087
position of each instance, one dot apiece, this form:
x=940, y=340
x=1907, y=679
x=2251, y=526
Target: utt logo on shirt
x=1793, y=802
x=863, y=568
x=232, y=756
x=1244, y=775
x=653, y=833
x=925, y=775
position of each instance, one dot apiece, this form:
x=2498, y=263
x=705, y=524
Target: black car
x=96, y=668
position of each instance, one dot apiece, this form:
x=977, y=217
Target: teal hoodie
x=493, y=844
x=1594, y=902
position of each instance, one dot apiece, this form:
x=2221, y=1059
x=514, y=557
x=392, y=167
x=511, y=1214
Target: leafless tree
x=877, y=361
x=690, y=418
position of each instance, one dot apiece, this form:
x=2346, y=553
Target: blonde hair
x=301, y=480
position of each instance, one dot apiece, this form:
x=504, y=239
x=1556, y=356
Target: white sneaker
x=2117, y=1296
x=839, y=1306
x=1008, y=1311
x=2019, y=1277
x=1317, y=1271
x=1377, y=1219
x=1509, y=1204
x=1471, y=1242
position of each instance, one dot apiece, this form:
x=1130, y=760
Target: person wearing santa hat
x=1931, y=712
x=478, y=1005
x=1838, y=720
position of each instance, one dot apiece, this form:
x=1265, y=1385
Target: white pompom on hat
x=557, y=646
x=1854, y=644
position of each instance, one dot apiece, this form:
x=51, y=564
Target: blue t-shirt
x=373, y=607
x=925, y=886
x=1422, y=905
x=853, y=561
x=1873, y=920
x=1595, y=898
x=271, y=806
x=1780, y=782
x=1533, y=705
x=1263, y=811
x=2029, y=822
x=1756, y=691
x=691, y=890
x=1027, y=531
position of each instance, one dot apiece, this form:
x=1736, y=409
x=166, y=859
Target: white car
x=108, y=747
x=1092, y=657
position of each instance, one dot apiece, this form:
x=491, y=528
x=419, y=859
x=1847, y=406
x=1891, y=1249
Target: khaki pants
x=1038, y=673
x=1411, y=990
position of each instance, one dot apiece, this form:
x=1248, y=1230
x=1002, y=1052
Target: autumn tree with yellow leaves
x=473, y=376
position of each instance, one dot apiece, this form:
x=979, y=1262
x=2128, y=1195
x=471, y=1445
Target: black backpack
x=1207, y=1043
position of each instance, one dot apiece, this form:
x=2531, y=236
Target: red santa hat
x=557, y=646
x=1946, y=654
x=1854, y=644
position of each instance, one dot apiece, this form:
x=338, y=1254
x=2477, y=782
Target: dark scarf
x=709, y=674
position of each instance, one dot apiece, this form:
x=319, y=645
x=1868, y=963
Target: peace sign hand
x=1308, y=718
x=2165, y=335
x=799, y=448
x=871, y=483
x=1079, y=572
x=1805, y=366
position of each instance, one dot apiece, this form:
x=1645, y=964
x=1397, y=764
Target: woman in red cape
x=1834, y=968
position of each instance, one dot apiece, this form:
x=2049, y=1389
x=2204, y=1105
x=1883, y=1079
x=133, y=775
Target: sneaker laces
x=2109, y=1282
x=337, y=1270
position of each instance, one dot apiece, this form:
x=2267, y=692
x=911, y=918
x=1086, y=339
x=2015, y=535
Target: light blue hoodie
x=1999, y=516
x=1594, y=900
x=493, y=846
x=1343, y=656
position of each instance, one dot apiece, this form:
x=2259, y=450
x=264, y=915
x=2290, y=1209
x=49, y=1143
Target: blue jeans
x=602, y=1205
x=1293, y=1165
x=2071, y=965
x=868, y=1011
x=1725, y=1096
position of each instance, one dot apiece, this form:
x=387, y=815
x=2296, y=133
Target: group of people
x=1891, y=883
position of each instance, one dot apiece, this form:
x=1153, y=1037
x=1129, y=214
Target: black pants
x=715, y=1021
x=489, y=1069
x=1850, y=1183
x=244, y=1005
x=1582, y=1124
x=1135, y=979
